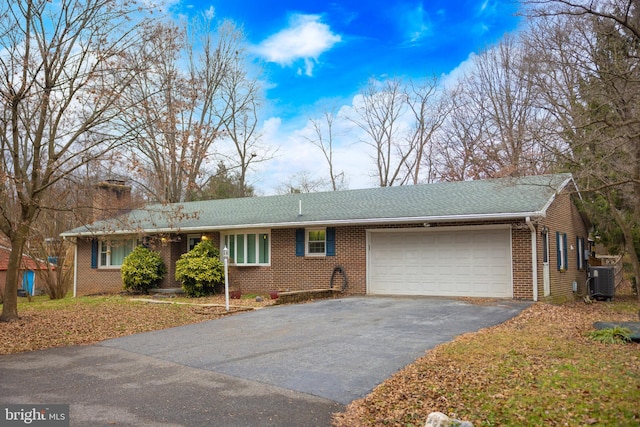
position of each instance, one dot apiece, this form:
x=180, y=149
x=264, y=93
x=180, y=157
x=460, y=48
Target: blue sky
x=319, y=53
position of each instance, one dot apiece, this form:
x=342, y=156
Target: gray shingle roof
x=447, y=201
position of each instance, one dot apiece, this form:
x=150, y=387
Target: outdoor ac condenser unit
x=602, y=282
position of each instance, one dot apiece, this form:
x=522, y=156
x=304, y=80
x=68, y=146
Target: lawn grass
x=43, y=302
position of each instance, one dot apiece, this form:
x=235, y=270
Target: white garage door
x=472, y=263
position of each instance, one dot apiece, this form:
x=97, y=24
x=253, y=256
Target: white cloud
x=417, y=24
x=413, y=22
x=210, y=13
x=271, y=126
x=297, y=155
x=306, y=38
x=452, y=78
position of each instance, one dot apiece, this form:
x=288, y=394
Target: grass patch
x=43, y=302
x=539, y=368
x=615, y=335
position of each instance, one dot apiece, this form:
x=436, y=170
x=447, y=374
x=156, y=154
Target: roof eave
x=317, y=223
x=558, y=191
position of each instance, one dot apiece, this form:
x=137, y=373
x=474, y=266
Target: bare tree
x=459, y=140
x=176, y=98
x=238, y=113
x=323, y=138
x=52, y=253
x=301, y=182
x=500, y=87
x=378, y=115
x=618, y=12
x=429, y=110
x=591, y=60
x=61, y=72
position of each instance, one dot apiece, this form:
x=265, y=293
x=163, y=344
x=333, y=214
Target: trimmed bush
x=200, y=270
x=142, y=270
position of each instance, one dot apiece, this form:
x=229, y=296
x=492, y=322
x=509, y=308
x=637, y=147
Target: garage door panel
x=448, y=263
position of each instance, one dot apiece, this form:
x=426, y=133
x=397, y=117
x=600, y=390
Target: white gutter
x=325, y=222
x=534, y=257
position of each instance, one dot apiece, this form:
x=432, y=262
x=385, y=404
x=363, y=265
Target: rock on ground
x=438, y=419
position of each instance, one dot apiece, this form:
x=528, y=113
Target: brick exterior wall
x=111, y=198
x=288, y=272
x=91, y=281
x=521, y=261
x=563, y=217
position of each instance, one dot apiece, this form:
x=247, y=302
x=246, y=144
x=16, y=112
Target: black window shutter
x=94, y=253
x=331, y=241
x=558, y=251
x=300, y=242
x=578, y=254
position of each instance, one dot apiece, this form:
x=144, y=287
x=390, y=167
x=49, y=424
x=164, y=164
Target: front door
x=545, y=262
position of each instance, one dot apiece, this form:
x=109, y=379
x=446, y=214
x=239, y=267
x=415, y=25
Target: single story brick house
x=520, y=238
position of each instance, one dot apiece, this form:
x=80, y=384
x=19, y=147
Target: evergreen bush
x=200, y=270
x=142, y=270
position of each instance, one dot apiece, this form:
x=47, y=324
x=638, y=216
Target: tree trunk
x=628, y=245
x=10, y=297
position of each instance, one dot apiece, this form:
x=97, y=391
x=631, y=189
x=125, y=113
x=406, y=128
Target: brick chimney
x=111, y=197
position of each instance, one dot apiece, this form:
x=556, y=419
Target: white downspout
x=534, y=257
x=75, y=269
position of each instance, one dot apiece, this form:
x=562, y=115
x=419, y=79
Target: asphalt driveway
x=284, y=365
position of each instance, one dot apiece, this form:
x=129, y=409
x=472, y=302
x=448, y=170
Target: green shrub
x=142, y=270
x=200, y=270
x=615, y=335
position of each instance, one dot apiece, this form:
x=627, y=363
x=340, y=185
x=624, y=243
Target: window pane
x=232, y=247
x=248, y=249
x=251, y=248
x=119, y=250
x=103, y=253
x=316, y=241
x=117, y=253
x=316, y=235
x=263, y=248
x=240, y=249
x=193, y=241
x=316, y=247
